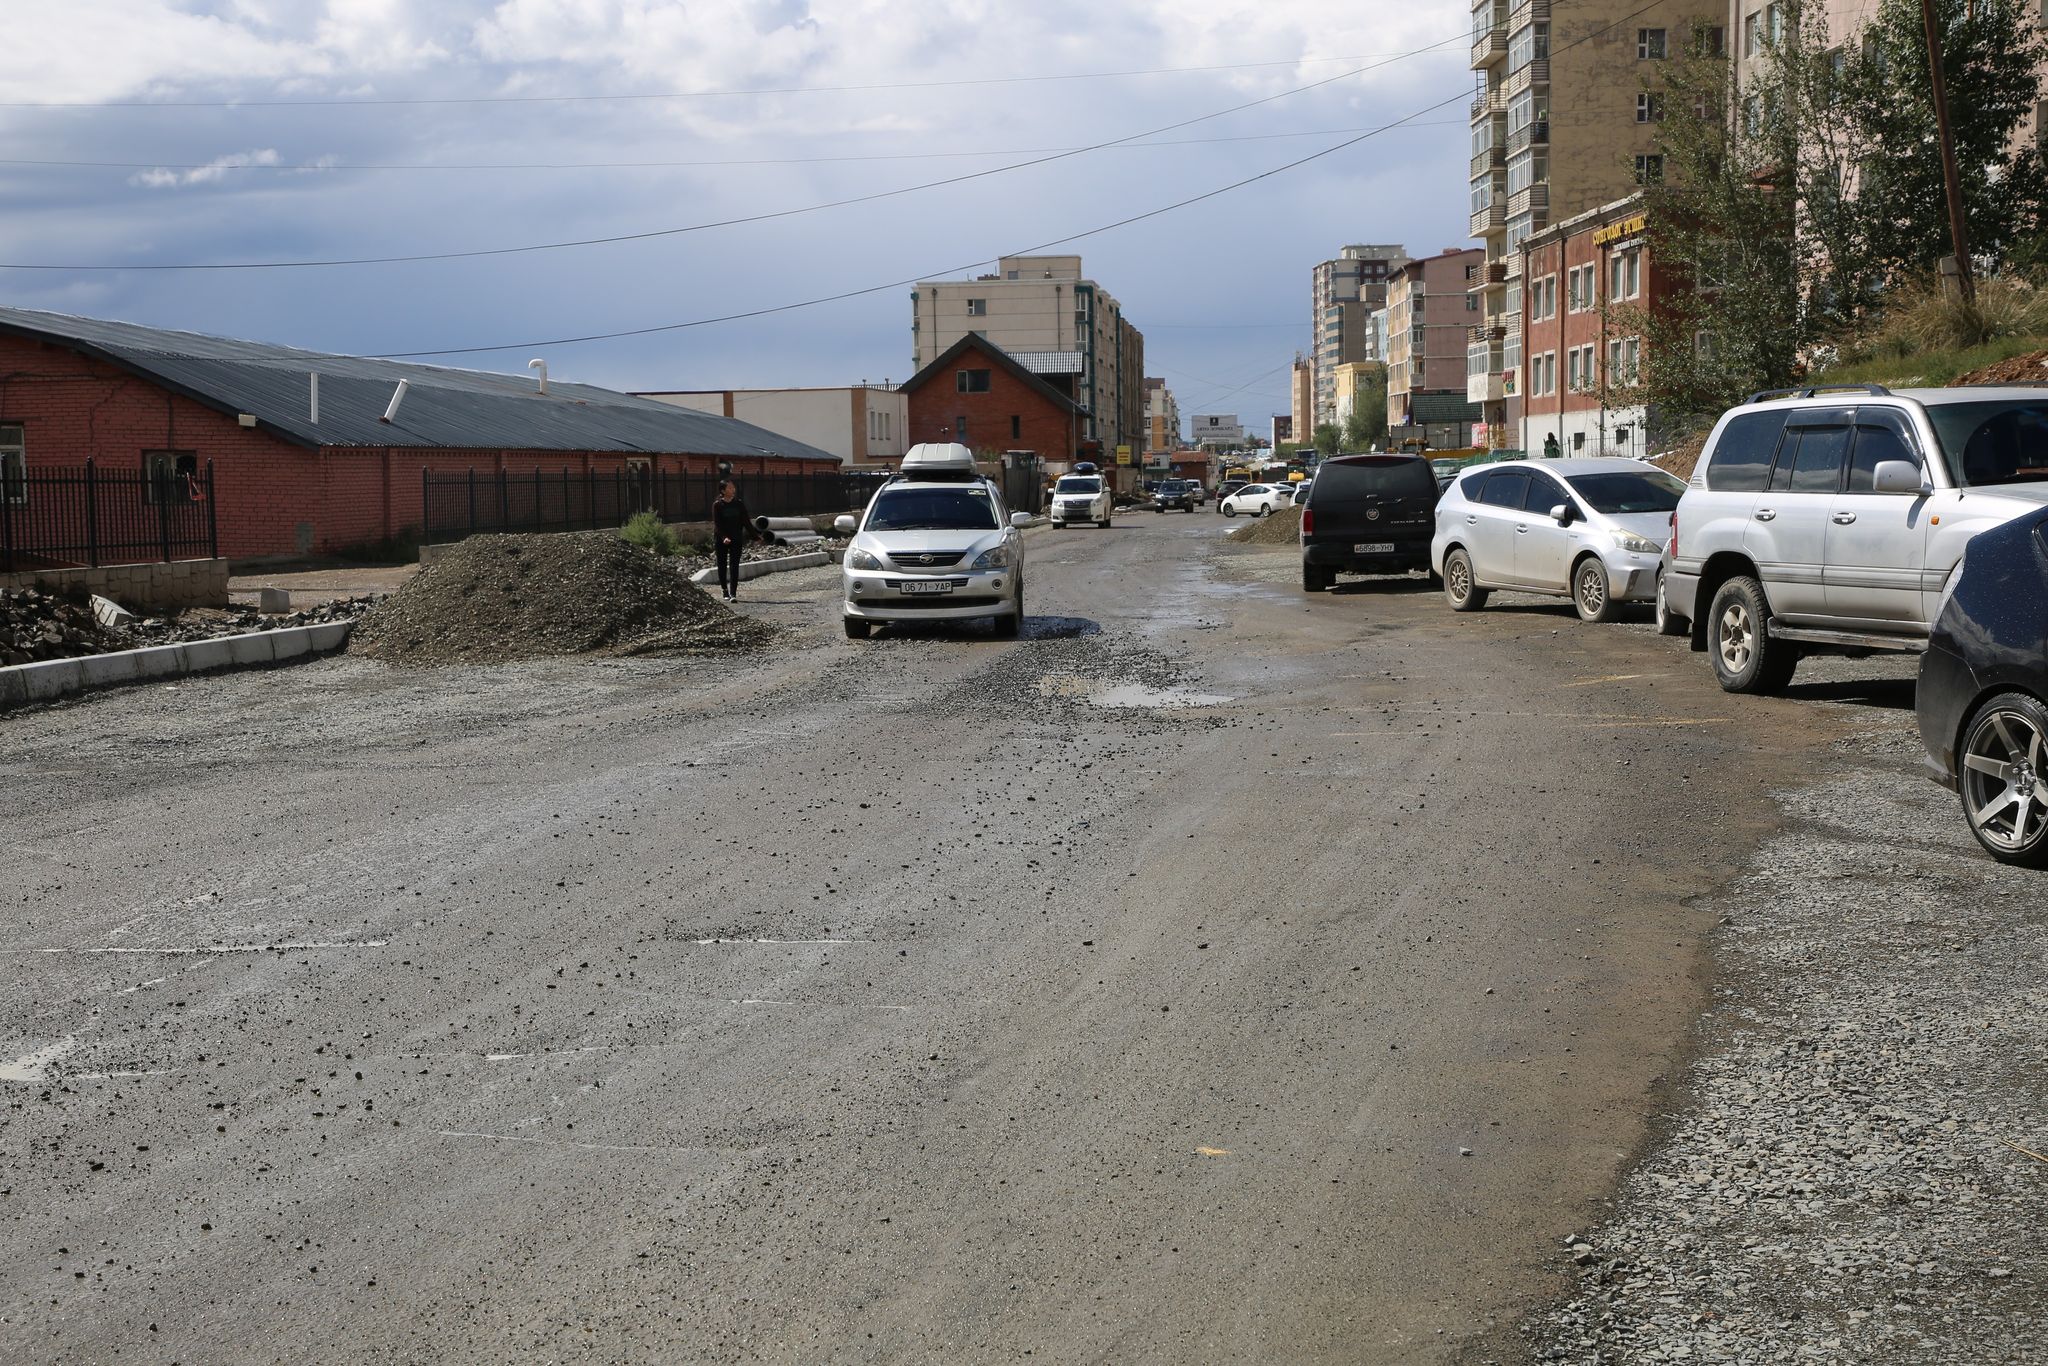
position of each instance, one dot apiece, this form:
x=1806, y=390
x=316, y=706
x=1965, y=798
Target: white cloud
x=213, y=172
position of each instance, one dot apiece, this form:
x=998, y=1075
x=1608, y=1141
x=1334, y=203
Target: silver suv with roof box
x=1831, y=518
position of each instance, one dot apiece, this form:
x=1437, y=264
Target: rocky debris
x=2032, y=366
x=497, y=598
x=1279, y=527
x=35, y=625
x=836, y=545
x=210, y=623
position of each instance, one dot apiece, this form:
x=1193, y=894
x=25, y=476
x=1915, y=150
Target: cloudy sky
x=165, y=132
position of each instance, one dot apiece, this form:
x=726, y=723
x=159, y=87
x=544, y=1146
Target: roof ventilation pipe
x=538, y=364
x=314, y=398
x=397, y=397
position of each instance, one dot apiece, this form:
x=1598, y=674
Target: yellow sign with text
x=1123, y=455
x=1614, y=232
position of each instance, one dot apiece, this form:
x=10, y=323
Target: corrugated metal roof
x=1441, y=408
x=1050, y=362
x=443, y=407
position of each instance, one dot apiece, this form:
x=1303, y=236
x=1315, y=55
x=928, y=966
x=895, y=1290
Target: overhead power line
x=984, y=260
x=313, y=167
x=955, y=83
x=650, y=234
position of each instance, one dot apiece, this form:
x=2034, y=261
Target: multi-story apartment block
x=1162, y=416
x=861, y=424
x=1346, y=291
x=1563, y=120
x=1430, y=309
x=1054, y=322
x=1589, y=282
x=1353, y=379
x=1301, y=391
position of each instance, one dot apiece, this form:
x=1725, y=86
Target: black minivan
x=1367, y=514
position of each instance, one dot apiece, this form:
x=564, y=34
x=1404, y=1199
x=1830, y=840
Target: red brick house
x=979, y=395
x=303, y=457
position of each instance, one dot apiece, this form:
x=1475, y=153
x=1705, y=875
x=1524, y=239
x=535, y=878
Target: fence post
x=163, y=515
x=504, y=503
x=472, y=500
x=7, y=513
x=426, y=506
x=212, y=517
x=590, y=494
x=92, y=518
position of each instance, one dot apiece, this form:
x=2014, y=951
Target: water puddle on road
x=1102, y=692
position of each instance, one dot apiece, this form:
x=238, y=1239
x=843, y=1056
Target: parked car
x=1230, y=486
x=1831, y=518
x=1201, y=493
x=1172, y=494
x=935, y=544
x=1082, y=498
x=1256, y=499
x=1983, y=682
x=1588, y=529
x=1366, y=514
x=1300, y=491
x=1445, y=471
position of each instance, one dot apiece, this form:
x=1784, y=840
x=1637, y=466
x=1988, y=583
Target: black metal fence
x=53, y=518
x=454, y=505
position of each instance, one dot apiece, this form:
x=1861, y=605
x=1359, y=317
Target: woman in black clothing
x=730, y=527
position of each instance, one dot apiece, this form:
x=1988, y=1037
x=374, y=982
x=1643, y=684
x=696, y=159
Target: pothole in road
x=1102, y=692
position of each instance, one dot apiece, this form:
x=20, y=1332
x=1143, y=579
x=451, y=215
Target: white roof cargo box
x=942, y=458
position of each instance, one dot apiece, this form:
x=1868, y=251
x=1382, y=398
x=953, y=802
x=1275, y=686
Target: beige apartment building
x=859, y=423
x=1353, y=378
x=1431, y=303
x=1563, y=121
x=1301, y=396
x=1056, y=323
x=1345, y=292
x=1162, y=416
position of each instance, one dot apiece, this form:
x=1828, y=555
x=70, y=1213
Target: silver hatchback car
x=1592, y=530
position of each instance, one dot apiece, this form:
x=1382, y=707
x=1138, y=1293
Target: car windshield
x=1077, y=485
x=2000, y=442
x=954, y=509
x=1626, y=491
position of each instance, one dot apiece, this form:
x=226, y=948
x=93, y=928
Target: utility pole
x=1958, y=231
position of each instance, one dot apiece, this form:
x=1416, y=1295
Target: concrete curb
x=54, y=678
x=754, y=569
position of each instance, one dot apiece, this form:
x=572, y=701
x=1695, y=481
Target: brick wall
x=273, y=498
x=1011, y=416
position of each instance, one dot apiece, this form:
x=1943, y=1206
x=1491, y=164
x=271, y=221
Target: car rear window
x=1504, y=489
x=1811, y=461
x=1741, y=460
x=1387, y=478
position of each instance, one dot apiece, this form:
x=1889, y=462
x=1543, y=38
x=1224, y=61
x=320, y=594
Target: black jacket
x=730, y=522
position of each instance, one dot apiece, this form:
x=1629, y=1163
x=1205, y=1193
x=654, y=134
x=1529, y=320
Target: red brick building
x=304, y=465
x=975, y=393
x=1586, y=284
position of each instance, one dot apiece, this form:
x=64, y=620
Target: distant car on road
x=1366, y=514
x=1256, y=499
x=1587, y=529
x=1983, y=683
x=1445, y=471
x=935, y=544
x=1174, y=494
x=1201, y=493
x=1082, y=498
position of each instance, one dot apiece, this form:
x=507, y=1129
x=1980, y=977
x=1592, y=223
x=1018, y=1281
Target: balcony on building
x=1527, y=13
x=1532, y=75
x=1533, y=134
x=1535, y=199
x=1483, y=373
x=1489, y=33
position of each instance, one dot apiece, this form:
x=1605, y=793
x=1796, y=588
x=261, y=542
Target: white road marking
x=781, y=941
x=116, y=1076
x=35, y=1066
x=232, y=948
x=815, y=1005
x=552, y=1143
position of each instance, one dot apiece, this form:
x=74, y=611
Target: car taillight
x=1672, y=549
x=1308, y=521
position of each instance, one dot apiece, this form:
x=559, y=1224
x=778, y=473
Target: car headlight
x=860, y=559
x=1638, y=545
x=995, y=557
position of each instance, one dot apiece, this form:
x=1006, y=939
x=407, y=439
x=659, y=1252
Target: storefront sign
x=1614, y=232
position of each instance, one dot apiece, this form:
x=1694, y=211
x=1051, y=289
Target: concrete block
x=290, y=643
x=273, y=602
x=202, y=655
x=253, y=648
x=51, y=678
x=110, y=613
x=13, y=692
x=327, y=636
x=159, y=661
x=106, y=671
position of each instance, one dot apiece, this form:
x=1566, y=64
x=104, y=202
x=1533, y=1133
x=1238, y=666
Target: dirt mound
x=1280, y=527
x=495, y=598
x=2033, y=365
x=1682, y=458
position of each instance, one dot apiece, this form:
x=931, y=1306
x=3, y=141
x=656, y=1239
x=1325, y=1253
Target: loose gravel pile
x=497, y=598
x=2032, y=366
x=1847, y=1182
x=1281, y=527
x=35, y=626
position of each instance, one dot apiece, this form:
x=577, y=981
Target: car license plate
x=1373, y=548
x=927, y=585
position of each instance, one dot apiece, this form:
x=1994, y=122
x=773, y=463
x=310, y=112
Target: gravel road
x=1213, y=975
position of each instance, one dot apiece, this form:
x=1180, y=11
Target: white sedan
x=1258, y=499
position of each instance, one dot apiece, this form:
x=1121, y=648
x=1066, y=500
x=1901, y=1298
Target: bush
x=649, y=532
x=1930, y=316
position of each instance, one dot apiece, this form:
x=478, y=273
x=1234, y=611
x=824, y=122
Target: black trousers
x=729, y=566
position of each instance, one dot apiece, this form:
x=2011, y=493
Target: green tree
x=1366, y=426
x=1327, y=438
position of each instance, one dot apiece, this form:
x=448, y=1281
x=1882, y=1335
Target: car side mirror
x=1563, y=514
x=1897, y=476
x=843, y=525
x=1020, y=519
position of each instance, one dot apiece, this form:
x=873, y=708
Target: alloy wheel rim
x=1737, y=637
x=2005, y=780
x=1460, y=581
x=1592, y=590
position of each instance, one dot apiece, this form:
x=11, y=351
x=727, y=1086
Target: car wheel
x=1668, y=622
x=1317, y=578
x=1229, y=511
x=1107, y=521
x=1589, y=591
x=2002, y=776
x=1462, y=593
x=856, y=628
x=1746, y=657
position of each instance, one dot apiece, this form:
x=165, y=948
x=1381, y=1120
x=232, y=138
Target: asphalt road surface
x=1214, y=975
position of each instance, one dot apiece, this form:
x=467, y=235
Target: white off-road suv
x=1832, y=518
x=1083, y=496
x=935, y=544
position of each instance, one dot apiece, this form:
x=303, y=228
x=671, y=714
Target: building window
x=1528, y=44
x=13, y=463
x=977, y=308
x=171, y=476
x=1650, y=107
x=1511, y=351
x=1712, y=41
x=1526, y=168
x=1649, y=169
x=1703, y=345
x=1482, y=194
x=971, y=381
x=1016, y=426
x=1625, y=274
x=1622, y=354
x=1471, y=303
x=1649, y=44
x=1752, y=33
x=1543, y=298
